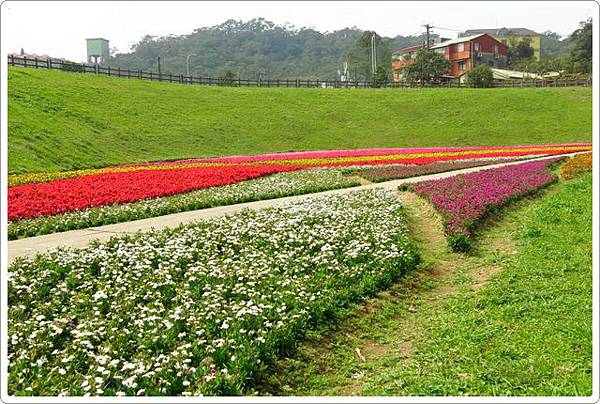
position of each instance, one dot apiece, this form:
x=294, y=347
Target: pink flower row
x=319, y=154
x=463, y=200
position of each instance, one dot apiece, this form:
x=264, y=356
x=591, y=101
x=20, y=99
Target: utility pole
x=187, y=64
x=427, y=27
x=373, y=54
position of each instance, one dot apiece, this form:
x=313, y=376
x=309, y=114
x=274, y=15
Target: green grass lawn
x=60, y=120
x=530, y=330
x=512, y=318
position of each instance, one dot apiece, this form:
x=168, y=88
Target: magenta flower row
x=465, y=199
x=352, y=153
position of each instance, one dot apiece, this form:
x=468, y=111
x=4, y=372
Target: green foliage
x=382, y=75
x=480, y=76
x=359, y=58
x=72, y=67
x=553, y=47
x=582, y=47
x=227, y=77
x=428, y=66
x=259, y=47
x=59, y=121
x=519, y=51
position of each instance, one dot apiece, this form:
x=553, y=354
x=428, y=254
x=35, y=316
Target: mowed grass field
x=59, y=121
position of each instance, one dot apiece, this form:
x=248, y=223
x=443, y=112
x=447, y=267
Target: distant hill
x=255, y=47
x=262, y=48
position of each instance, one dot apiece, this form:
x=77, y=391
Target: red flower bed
x=50, y=198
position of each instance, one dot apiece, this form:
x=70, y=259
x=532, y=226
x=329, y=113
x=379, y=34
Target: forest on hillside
x=262, y=49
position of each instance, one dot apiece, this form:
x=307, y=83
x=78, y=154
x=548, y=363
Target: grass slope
x=60, y=120
x=514, y=318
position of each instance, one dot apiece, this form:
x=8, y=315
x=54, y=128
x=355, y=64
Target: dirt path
x=386, y=331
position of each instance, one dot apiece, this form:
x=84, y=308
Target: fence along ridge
x=54, y=64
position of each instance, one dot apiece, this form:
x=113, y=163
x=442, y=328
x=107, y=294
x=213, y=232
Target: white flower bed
x=199, y=309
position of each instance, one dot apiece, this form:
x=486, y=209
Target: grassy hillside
x=61, y=121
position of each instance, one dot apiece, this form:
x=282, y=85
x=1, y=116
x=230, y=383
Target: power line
x=448, y=29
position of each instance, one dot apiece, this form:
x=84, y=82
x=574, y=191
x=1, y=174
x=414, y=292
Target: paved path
x=80, y=238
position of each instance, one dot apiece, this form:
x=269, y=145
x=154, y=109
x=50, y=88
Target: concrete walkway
x=80, y=238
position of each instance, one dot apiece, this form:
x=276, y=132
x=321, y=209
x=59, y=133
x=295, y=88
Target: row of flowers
x=269, y=187
x=200, y=309
x=32, y=178
x=390, y=153
x=317, y=158
x=134, y=183
x=579, y=164
x=464, y=200
x=385, y=173
x=274, y=186
x=65, y=195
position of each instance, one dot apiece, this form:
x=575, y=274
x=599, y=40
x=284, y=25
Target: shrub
x=480, y=76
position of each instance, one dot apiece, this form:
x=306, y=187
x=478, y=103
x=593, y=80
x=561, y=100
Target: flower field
x=463, y=200
x=65, y=195
x=269, y=187
x=47, y=194
x=200, y=309
x=577, y=165
x=398, y=171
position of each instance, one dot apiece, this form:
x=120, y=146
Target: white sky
x=60, y=28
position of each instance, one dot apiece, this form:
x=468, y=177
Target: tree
x=519, y=51
x=248, y=47
x=582, y=50
x=552, y=46
x=480, y=76
x=382, y=76
x=359, y=56
x=226, y=78
x=428, y=66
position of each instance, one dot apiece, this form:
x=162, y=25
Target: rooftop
x=457, y=40
x=408, y=49
x=501, y=31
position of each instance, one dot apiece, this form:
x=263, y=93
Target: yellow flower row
x=30, y=178
x=358, y=159
x=21, y=179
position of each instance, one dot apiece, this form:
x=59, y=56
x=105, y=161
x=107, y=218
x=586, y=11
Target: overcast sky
x=60, y=28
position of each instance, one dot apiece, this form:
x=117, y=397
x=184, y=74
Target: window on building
x=460, y=47
x=462, y=66
x=495, y=49
x=476, y=46
x=440, y=50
